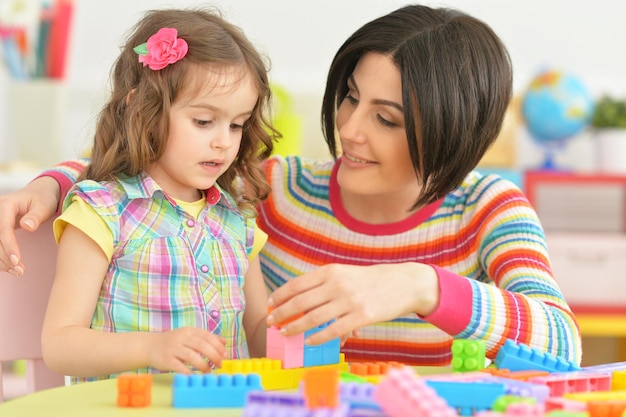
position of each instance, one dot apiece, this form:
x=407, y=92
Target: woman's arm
x=32, y=205
x=256, y=309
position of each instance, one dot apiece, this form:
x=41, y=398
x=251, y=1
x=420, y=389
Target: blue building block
x=520, y=357
x=324, y=354
x=213, y=391
x=468, y=397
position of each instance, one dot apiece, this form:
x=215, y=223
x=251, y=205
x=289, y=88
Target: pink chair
x=23, y=303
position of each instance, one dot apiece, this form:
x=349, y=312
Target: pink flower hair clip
x=162, y=49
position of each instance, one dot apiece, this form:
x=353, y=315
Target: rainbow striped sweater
x=484, y=239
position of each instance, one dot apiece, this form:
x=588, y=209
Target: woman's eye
x=385, y=122
x=351, y=99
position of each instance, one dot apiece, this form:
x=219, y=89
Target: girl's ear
x=129, y=96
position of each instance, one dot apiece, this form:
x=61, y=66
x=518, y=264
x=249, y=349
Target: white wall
x=584, y=38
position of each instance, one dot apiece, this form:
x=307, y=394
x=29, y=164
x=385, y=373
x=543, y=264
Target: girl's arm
x=70, y=347
x=256, y=309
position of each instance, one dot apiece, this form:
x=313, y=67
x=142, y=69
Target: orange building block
x=321, y=388
x=134, y=390
x=373, y=368
x=612, y=408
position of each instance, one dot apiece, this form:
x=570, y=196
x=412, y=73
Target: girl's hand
x=179, y=349
x=355, y=296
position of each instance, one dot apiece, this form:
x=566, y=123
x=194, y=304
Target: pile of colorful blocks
x=300, y=381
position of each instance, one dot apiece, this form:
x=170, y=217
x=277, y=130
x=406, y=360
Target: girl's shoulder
x=100, y=193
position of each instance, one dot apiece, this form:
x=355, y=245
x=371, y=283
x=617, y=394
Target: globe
x=555, y=107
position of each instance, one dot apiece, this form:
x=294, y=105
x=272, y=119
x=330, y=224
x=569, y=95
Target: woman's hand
x=355, y=296
x=179, y=349
x=26, y=208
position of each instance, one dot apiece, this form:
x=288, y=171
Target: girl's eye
x=385, y=122
x=235, y=126
x=202, y=123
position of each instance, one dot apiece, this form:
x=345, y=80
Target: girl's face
x=205, y=132
x=370, y=121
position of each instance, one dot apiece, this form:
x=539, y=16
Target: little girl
x=154, y=241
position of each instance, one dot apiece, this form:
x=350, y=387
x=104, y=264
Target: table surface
x=99, y=398
x=95, y=399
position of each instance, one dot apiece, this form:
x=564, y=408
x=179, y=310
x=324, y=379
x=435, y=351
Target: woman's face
x=370, y=121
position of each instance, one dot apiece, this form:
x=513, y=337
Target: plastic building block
x=518, y=375
x=274, y=404
x=468, y=397
x=618, y=380
x=585, y=381
x=273, y=377
x=596, y=396
x=322, y=354
x=521, y=409
x=520, y=357
x=248, y=366
x=342, y=366
x=358, y=395
x=402, y=393
x=468, y=355
x=213, y=391
x=614, y=408
x=134, y=390
x=349, y=378
x=373, y=368
x=538, y=392
x=614, y=366
x=288, y=349
x=320, y=388
x=503, y=402
x=564, y=404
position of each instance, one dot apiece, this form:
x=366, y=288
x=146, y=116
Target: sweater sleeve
x=65, y=174
x=516, y=296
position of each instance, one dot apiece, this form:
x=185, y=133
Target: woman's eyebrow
x=352, y=84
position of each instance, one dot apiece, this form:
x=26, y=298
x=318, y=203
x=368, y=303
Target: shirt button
x=215, y=314
x=191, y=223
x=204, y=268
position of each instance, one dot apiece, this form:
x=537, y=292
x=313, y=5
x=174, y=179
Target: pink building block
x=288, y=349
x=584, y=381
x=564, y=404
x=402, y=393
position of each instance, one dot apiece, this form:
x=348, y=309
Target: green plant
x=609, y=112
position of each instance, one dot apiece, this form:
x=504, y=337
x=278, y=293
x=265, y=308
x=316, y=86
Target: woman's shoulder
x=486, y=188
x=279, y=168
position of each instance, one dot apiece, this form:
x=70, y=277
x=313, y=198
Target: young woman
x=397, y=237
